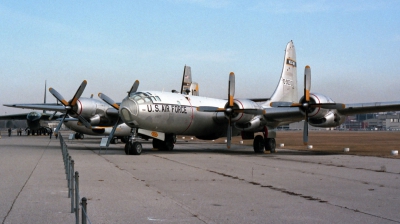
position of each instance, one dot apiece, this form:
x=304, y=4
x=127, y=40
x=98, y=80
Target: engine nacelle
x=242, y=118
x=320, y=117
x=254, y=125
x=85, y=107
x=92, y=110
x=331, y=119
x=317, y=112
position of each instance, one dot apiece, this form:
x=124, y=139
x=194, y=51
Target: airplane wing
x=40, y=106
x=14, y=117
x=23, y=116
x=284, y=115
x=362, y=108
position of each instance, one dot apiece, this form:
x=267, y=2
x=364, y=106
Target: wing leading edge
x=52, y=107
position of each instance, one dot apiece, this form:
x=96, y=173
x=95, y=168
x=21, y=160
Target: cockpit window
x=141, y=97
x=33, y=114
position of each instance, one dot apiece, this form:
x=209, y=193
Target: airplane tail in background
x=287, y=86
x=45, y=88
x=188, y=87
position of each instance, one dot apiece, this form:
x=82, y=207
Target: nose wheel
x=133, y=148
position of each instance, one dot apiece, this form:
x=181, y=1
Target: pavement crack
x=29, y=177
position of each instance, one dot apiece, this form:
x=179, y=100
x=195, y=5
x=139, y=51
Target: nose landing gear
x=132, y=146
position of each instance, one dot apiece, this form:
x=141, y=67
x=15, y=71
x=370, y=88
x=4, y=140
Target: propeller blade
x=231, y=90
x=113, y=131
x=305, y=130
x=307, y=83
x=229, y=135
x=78, y=93
x=134, y=87
x=58, y=96
x=59, y=125
x=108, y=100
x=84, y=122
x=51, y=117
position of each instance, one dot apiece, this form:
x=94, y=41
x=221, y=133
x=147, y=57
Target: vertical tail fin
x=186, y=80
x=287, y=86
x=45, y=88
x=188, y=87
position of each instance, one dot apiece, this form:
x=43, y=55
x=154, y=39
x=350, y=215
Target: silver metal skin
x=177, y=113
x=173, y=113
x=75, y=125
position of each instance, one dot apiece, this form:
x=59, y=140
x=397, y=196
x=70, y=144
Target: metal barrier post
x=71, y=189
x=69, y=171
x=84, y=210
x=66, y=165
x=77, y=196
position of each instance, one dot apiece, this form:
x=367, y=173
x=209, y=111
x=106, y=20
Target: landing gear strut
x=132, y=146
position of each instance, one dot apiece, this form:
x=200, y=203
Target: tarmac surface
x=197, y=182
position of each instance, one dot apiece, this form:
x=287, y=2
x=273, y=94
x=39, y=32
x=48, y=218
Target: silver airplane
x=92, y=116
x=81, y=114
x=163, y=115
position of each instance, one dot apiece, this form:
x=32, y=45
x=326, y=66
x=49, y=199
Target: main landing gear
x=262, y=144
x=166, y=145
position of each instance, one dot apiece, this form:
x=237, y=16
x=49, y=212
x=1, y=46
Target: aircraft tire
x=169, y=142
x=77, y=136
x=174, y=137
x=258, y=144
x=136, y=148
x=127, y=147
x=270, y=145
x=157, y=143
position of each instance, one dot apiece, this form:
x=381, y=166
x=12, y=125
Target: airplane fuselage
x=177, y=113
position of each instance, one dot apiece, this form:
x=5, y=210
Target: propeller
x=70, y=105
x=307, y=104
x=134, y=87
x=112, y=103
x=230, y=110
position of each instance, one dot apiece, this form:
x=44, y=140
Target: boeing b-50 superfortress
x=163, y=115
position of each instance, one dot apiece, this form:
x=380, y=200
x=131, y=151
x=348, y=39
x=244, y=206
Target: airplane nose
x=128, y=111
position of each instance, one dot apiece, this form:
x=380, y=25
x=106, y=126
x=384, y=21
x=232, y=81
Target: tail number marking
x=287, y=82
x=291, y=62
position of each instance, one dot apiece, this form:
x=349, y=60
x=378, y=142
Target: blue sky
x=353, y=47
